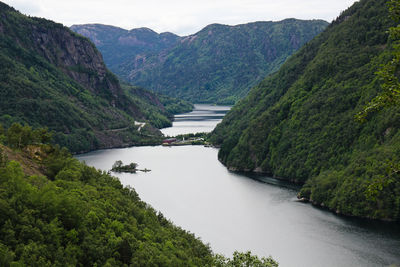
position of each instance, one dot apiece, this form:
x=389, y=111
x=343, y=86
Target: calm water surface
x=238, y=212
x=203, y=118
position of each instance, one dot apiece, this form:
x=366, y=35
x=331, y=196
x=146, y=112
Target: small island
x=130, y=168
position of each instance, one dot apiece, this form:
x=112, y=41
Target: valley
x=262, y=143
x=238, y=211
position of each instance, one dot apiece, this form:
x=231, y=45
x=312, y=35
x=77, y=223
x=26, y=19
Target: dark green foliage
x=50, y=76
x=220, y=63
x=175, y=105
x=368, y=187
x=299, y=123
x=19, y=136
x=78, y=216
x=3, y=158
x=388, y=73
x=241, y=259
x=119, y=167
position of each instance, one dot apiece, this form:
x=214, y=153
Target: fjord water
x=203, y=118
x=247, y=212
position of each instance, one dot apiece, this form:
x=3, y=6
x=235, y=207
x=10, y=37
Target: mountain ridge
x=120, y=43
x=51, y=76
x=219, y=63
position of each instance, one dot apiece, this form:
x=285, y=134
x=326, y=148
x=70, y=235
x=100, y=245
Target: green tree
x=3, y=158
x=390, y=72
x=241, y=259
x=42, y=135
x=2, y=134
x=117, y=164
x=19, y=136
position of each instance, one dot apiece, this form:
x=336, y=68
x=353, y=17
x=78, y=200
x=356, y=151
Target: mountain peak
x=142, y=30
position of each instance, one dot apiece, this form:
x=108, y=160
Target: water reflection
x=203, y=118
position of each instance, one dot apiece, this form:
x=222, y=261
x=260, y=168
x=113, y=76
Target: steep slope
x=50, y=76
x=298, y=124
x=56, y=211
x=220, y=63
x=117, y=44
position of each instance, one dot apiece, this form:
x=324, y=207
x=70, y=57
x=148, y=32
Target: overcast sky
x=182, y=17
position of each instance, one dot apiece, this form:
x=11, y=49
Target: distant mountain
x=299, y=123
x=50, y=76
x=219, y=64
x=118, y=45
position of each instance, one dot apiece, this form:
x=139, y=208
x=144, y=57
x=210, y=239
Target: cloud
x=25, y=6
x=179, y=16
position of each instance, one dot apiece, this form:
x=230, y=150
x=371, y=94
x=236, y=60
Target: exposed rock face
x=54, y=78
x=77, y=57
x=118, y=44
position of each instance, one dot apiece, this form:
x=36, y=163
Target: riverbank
x=195, y=191
x=302, y=198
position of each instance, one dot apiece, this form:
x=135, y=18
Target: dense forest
x=50, y=76
x=300, y=123
x=56, y=211
x=219, y=64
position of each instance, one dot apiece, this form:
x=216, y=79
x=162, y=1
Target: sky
x=182, y=17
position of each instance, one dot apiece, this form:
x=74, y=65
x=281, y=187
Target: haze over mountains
x=219, y=64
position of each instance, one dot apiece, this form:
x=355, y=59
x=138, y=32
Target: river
x=232, y=211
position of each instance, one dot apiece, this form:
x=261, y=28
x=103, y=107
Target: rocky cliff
x=117, y=44
x=50, y=76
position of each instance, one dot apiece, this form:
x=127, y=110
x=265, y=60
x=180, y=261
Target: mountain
x=50, y=76
x=117, y=44
x=219, y=64
x=299, y=123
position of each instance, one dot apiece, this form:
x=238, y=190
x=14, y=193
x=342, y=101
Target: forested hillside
x=299, y=124
x=50, y=76
x=118, y=45
x=56, y=211
x=219, y=64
